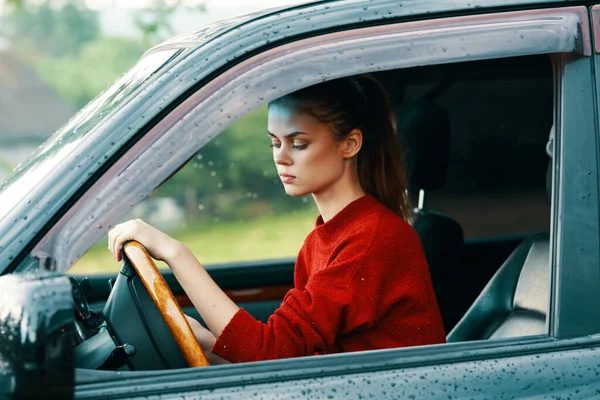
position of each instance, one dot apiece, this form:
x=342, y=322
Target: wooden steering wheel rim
x=165, y=302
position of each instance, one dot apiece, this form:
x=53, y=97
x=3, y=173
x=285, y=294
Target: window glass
x=226, y=203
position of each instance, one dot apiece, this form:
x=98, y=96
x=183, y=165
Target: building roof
x=30, y=111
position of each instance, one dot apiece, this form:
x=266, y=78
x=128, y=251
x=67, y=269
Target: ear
x=352, y=143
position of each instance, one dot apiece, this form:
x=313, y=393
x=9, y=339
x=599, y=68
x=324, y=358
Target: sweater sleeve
x=307, y=322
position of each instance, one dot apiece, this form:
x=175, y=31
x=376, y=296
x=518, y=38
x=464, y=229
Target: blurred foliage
x=65, y=46
x=79, y=78
x=5, y=165
x=233, y=176
x=154, y=22
x=56, y=32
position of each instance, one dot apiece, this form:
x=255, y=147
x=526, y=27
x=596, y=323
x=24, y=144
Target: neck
x=333, y=199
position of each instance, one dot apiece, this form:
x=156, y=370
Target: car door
x=561, y=362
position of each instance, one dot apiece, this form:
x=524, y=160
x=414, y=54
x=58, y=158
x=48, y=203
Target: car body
x=136, y=134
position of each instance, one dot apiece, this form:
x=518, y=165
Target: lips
x=287, y=178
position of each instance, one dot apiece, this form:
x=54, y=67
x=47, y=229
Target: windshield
x=59, y=146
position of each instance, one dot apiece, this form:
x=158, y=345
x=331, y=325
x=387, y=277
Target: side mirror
x=36, y=336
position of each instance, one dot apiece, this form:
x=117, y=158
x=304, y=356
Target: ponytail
x=381, y=170
x=360, y=102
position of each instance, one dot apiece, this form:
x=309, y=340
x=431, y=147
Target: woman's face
x=307, y=156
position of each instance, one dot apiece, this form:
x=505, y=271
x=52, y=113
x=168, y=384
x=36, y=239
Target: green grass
x=218, y=242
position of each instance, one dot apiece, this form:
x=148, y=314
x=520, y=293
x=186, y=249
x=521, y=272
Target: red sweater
x=361, y=282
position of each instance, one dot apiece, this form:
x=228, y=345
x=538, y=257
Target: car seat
x=424, y=136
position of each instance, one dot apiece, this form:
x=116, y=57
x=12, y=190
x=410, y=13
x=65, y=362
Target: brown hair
x=360, y=102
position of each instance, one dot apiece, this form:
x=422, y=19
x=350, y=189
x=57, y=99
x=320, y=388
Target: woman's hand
x=160, y=246
x=207, y=341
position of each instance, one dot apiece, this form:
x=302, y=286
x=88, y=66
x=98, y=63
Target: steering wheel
x=166, y=304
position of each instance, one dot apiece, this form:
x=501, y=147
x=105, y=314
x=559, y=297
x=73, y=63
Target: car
x=496, y=105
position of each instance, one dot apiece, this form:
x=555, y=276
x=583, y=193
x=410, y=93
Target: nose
x=282, y=155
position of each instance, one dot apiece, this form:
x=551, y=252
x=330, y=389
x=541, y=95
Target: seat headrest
x=550, y=144
x=424, y=135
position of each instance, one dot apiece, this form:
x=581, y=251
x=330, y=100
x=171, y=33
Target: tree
x=78, y=78
x=154, y=22
x=54, y=31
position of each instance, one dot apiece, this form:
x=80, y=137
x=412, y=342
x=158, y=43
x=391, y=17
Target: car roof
x=331, y=15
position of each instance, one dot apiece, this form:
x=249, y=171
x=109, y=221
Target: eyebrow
x=289, y=135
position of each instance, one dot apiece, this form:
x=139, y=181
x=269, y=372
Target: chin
x=295, y=191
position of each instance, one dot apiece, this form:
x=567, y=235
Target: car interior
x=474, y=135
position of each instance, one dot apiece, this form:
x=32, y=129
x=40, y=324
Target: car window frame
x=576, y=148
x=189, y=113
x=76, y=229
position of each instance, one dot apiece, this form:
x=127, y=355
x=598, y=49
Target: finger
x=194, y=324
x=115, y=233
x=119, y=242
x=110, y=240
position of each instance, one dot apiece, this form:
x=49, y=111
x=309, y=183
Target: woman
x=361, y=281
